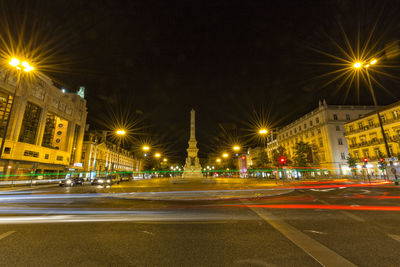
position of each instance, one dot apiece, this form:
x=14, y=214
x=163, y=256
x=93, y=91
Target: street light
x=165, y=159
x=225, y=155
x=236, y=148
x=366, y=65
x=218, y=160
x=145, y=148
x=120, y=133
x=18, y=65
x=263, y=131
x=157, y=155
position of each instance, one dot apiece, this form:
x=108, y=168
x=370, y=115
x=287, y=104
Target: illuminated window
x=5, y=104
x=371, y=122
x=360, y=125
x=30, y=124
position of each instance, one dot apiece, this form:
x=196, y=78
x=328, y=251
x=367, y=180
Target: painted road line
x=395, y=237
x=6, y=234
x=322, y=254
x=346, y=213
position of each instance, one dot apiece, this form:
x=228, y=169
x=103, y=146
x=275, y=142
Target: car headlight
x=68, y=181
x=100, y=181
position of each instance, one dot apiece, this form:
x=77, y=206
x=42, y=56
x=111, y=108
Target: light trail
x=323, y=207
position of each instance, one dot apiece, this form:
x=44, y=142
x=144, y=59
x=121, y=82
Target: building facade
x=100, y=155
x=365, y=139
x=323, y=128
x=46, y=125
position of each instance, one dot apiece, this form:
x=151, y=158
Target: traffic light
x=381, y=160
x=365, y=160
x=282, y=160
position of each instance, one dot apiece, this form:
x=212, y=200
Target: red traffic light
x=365, y=160
x=381, y=160
x=243, y=157
x=282, y=160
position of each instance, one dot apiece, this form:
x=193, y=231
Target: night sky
x=155, y=60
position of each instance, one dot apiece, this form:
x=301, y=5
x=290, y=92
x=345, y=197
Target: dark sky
x=223, y=58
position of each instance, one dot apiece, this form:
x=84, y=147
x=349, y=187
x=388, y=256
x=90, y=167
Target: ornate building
x=323, y=129
x=100, y=155
x=46, y=126
x=365, y=138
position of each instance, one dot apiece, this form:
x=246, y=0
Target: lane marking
x=319, y=252
x=6, y=234
x=346, y=213
x=395, y=237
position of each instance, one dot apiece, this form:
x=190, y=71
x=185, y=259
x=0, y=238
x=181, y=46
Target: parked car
x=126, y=177
x=71, y=181
x=107, y=180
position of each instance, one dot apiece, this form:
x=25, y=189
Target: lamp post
x=366, y=66
x=359, y=66
x=18, y=65
x=120, y=133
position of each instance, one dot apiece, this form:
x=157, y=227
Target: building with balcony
x=100, y=155
x=365, y=139
x=323, y=128
x=46, y=125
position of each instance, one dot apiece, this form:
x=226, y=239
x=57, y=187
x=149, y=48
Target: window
x=28, y=153
x=319, y=130
x=351, y=128
x=359, y=115
x=305, y=126
x=366, y=153
x=360, y=125
x=7, y=150
x=295, y=130
x=310, y=123
x=59, y=158
x=30, y=124
x=46, y=156
x=395, y=114
x=300, y=128
x=356, y=154
x=371, y=122
x=342, y=156
x=316, y=120
x=337, y=128
x=340, y=141
x=348, y=117
x=383, y=118
x=335, y=117
x=5, y=105
x=321, y=144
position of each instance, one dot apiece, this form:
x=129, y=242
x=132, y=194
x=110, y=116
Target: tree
x=351, y=161
x=277, y=153
x=261, y=160
x=302, y=154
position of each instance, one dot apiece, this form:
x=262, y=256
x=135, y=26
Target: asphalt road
x=311, y=225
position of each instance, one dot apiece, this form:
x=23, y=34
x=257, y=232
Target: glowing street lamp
x=145, y=148
x=157, y=155
x=165, y=159
x=236, y=148
x=120, y=132
x=218, y=160
x=225, y=155
x=263, y=131
x=16, y=63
